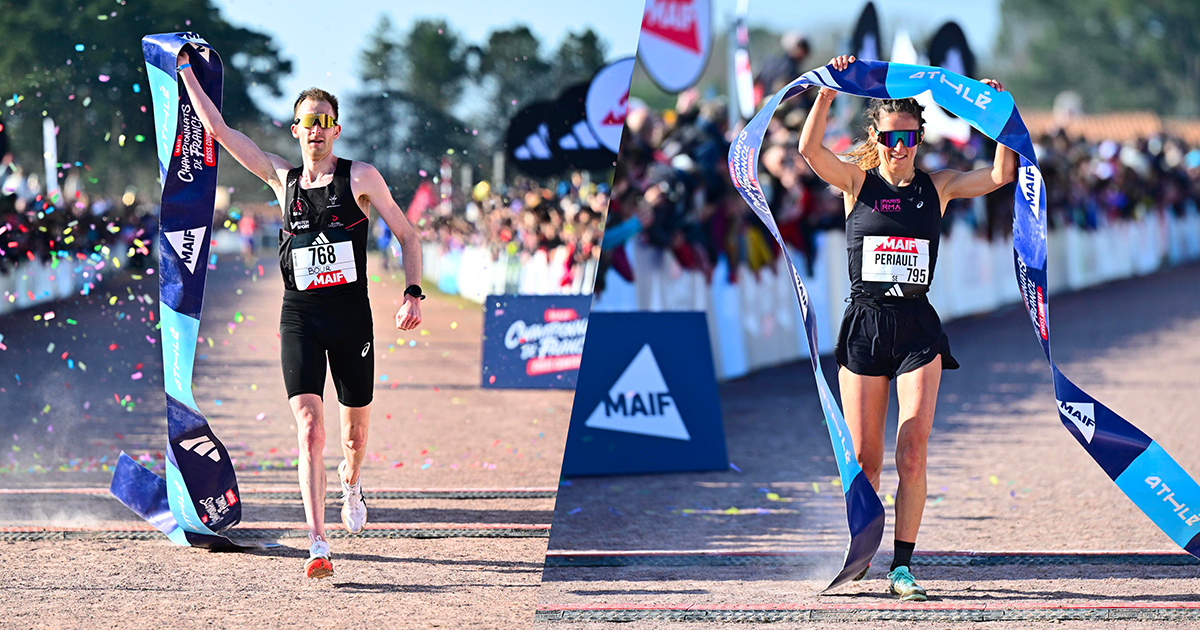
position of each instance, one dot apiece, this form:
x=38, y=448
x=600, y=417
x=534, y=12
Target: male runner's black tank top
x=892, y=237
x=323, y=244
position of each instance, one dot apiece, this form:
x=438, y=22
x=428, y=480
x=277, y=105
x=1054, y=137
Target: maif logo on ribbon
x=646, y=397
x=640, y=402
x=1082, y=415
x=186, y=244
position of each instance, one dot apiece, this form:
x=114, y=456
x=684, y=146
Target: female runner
x=890, y=331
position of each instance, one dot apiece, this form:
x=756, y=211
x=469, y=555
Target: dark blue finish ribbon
x=1138, y=465
x=199, y=498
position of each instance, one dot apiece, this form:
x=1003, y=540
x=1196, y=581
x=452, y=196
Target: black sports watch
x=415, y=291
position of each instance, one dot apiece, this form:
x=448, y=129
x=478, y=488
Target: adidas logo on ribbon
x=640, y=402
x=186, y=244
x=203, y=447
x=321, y=239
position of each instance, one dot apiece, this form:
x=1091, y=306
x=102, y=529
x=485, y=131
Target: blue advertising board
x=646, y=400
x=533, y=341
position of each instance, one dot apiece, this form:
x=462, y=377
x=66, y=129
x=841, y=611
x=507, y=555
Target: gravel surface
x=432, y=427
x=1004, y=475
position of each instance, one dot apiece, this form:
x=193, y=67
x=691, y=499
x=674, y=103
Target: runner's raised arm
x=242, y=148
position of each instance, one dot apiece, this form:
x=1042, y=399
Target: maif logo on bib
x=640, y=402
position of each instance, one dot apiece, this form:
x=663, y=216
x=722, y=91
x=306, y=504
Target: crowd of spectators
x=672, y=187
x=523, y=220
x=37, y=229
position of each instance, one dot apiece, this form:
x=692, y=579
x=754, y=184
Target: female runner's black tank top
x=323, y=244
x=892, y=237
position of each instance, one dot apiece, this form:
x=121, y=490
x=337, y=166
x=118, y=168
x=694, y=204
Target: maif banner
x=1136, y=463
x=675, y=42
x=647, y=398
x=533, y=341
x=199, y=498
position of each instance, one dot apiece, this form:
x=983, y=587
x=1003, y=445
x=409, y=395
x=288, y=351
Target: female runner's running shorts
x=313, y=329
x=890, y=338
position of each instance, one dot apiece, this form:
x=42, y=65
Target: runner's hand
x=994, y=84
x=409, y=315
x=840, y=63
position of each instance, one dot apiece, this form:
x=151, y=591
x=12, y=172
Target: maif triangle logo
x=640, y=402
x=187, y=245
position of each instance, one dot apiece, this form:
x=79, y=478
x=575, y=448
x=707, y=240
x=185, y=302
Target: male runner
x=322, y=254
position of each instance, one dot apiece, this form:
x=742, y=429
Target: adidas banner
x=199, y=498
x=573, y=136
x=1138, y=465
x=533, y=341
x=529, y=144
x=866, y=42
x=607, y=102
x=647, y=399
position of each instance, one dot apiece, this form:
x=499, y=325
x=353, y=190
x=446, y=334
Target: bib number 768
x=322, y=255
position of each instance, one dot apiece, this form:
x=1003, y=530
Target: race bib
x=895, y=259
x=324, y=264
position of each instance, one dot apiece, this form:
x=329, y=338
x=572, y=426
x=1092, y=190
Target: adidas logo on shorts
x=895, y=291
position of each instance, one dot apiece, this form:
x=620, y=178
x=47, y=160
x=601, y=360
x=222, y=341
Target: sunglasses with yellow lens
x=308, y=120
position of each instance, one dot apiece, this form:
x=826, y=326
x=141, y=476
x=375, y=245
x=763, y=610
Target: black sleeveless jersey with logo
x=892, y=237
x=319, y=225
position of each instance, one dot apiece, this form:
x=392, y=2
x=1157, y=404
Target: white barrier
x=33, y=283
x=755, y=323
x=472, y=272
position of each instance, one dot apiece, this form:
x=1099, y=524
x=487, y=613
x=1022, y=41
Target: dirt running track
x=1004, y=476
x=61, y=429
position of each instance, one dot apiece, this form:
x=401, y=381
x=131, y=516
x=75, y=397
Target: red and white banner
x=675, y=41
x=607, y=100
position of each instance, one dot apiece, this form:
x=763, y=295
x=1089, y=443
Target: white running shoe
x=354, y=507
x=319, y=564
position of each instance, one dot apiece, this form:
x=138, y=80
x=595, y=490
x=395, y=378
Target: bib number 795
x=916, y=275
x=323, y=255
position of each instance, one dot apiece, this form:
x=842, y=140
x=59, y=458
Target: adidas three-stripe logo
x=895, y=291
x=321, y=239
x=203, y=447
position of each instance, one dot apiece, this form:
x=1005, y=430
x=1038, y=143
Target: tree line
x=80, y=62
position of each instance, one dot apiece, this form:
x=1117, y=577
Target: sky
x=340, y=29
x=979, y=19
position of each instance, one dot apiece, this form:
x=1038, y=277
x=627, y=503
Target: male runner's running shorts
x=312, y=328
x=891, y=338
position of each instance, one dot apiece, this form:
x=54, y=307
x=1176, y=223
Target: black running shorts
x=891, y=338
x=313, y=329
